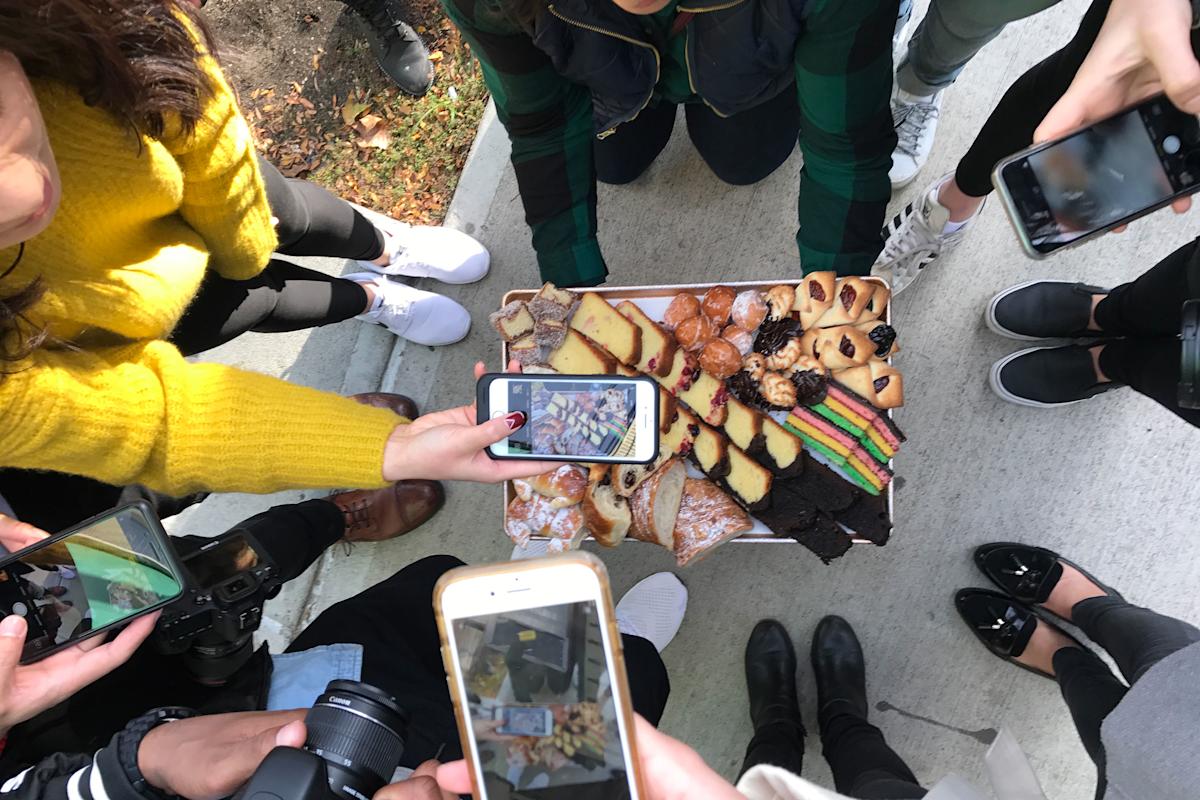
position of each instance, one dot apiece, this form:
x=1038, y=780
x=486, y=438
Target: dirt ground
x=322, y=109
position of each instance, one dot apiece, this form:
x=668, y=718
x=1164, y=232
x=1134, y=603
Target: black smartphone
x=1189, y=362
x=1063, y=192
x=587, y=418
x=90, y=579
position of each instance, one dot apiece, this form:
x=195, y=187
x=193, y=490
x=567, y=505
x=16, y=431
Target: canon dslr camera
x=355, y=740
x=212, y=625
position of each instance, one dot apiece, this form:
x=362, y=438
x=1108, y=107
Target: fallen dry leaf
x=436, y=55
x=352, y=110
x=373, y=132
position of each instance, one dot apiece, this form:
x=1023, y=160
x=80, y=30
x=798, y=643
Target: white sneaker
x=916, y=120
x=421, y=317
x=653, y=609
x=915, y=238
x=424, y=251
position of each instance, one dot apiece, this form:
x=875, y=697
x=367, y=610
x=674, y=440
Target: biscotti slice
x=683, y=371
x=744, y=425
x=707, y=519
x=707, y=396
x=601, y=323
x=748, y=481
x=658, y=346
x=682, y=435
x=711, y=452
x=655, y=504
x=578, y=356
x=784, y=449
x=606, y=514
x=513, y=321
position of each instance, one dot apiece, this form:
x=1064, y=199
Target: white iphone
x=583, y=418
x=536, y=671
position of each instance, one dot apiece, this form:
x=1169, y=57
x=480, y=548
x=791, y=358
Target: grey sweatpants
x=950, y=35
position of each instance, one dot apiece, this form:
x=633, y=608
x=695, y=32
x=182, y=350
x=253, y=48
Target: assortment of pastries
x=779, y=397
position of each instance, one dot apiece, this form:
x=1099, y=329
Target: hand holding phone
x=535, y=645
x=581, y=418
x=450, y=445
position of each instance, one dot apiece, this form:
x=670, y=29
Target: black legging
x=286, y=296
x=740, y=150
x=283, y=297
x=1148, y=313
x=1136, y=638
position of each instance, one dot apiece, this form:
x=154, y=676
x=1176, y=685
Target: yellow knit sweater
x=139, y=224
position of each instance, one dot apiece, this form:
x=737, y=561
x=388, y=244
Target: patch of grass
x=347, y=128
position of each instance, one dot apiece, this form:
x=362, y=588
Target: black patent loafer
x=1004, y=625
x=1027, y=573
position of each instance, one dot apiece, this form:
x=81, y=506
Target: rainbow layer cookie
x=847, y=451
x=863, y=410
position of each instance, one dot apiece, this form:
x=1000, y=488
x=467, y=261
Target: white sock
x=376, y=298
x=954, y=227
x=912, y=99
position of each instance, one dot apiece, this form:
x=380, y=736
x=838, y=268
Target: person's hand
x=1144, y=47
x=421, y=785
x=449, y=445
x=486, y=730
x=26, y=691
x=210, y=757
x=670, y=770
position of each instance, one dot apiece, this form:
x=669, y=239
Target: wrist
x=140, y=752
x=396, y=458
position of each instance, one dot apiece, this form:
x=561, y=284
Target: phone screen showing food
x=516, y=666
x=98, y=576
x=1106, y=173
x=582, y=418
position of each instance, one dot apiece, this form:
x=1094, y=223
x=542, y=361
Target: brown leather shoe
x=373, y=515
x=400, y=404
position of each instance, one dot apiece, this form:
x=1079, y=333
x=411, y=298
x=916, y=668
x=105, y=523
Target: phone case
x=1014, y=216
x=617, y=654
x=169, y=556
x=483, y=411
x=1189, y=361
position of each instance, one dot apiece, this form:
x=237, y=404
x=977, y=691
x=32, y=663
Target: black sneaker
x=1043, y=310
x=398, y=49
x=1043, y=377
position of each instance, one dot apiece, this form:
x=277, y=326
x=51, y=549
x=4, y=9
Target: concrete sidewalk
x=1113, y=482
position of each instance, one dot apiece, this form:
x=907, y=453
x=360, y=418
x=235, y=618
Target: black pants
x=863, y=764
x=284, y=297
x=1136, y=638
x=394, y=623
x=740, y=150
x=1148, y=314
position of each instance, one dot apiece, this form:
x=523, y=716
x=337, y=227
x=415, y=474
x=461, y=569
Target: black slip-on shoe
x=771, y=676
x=1046, y=377
x=400, y=52
x=1043, y=310
x=840, y=670
x=1027, y=573
x=1004, y=625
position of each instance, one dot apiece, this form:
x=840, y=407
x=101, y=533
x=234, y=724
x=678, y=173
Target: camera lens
x=359, y=731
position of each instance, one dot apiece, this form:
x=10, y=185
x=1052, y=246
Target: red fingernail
x=514, y=420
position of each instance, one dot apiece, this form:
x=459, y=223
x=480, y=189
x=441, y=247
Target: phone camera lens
x=1171, y=145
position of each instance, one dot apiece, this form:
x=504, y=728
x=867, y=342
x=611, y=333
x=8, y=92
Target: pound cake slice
x=601, y=323
x=748, y=481
x=744, y=425
x=682, y=435
x=707, y=396
x=683, y=371
x=578, y=356
x=711, y=452
x=658, y=346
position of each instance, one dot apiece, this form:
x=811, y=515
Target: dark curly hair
x=136, y=59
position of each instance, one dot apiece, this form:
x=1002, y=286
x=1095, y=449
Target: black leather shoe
x=841, y=671
x=1004, y=625
x=771, y=676
x=398, y=49
x=1027, y=573
x=1048, y=377
x=1043, y=310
